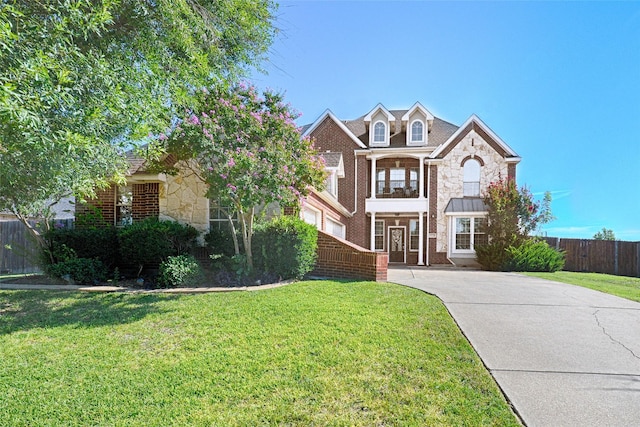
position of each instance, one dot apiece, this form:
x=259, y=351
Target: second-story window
x=417, y=131
x=379, y=132
x=471, y=178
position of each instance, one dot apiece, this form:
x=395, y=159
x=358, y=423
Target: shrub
x=180, y=270
x=285, y=246
x=151, y=241
x=80, y=270
x=220, y=241
x=492, y=256
x=534, y=255
x=91, y=243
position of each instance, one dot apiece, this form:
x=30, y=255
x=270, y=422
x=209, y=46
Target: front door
x=396, y=244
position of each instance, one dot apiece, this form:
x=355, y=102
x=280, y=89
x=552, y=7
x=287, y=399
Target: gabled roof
x=417, y=106
x=380, y=107
x=474, y=123
x=329, y=114
x=439, y=132
x=334, y=161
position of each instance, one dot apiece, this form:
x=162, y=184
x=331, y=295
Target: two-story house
x=408, y=183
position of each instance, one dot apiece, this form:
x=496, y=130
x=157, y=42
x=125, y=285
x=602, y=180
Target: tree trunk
x=234, y=236
x=36, y=234
x=247, y=228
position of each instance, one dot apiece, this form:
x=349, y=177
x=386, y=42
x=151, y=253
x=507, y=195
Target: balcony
x=397, y=190
x=396, y=197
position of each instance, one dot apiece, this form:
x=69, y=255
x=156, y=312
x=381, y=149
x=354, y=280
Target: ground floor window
x=379, y=235
x=414, y=235
x=218, y=216
x=469, y=231
x=124, y=206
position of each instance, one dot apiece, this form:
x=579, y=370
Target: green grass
x=625, y=287
x=311, y=353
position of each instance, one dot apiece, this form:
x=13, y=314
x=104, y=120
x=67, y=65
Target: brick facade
x=445, y=152
x=105, y=202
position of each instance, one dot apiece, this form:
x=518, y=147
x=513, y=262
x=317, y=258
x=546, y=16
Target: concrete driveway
x=562, y=354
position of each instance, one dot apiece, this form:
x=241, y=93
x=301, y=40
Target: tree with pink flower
x=248, y=150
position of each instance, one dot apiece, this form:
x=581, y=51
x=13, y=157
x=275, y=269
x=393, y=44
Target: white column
x=421, y=178
x=373, y=177
x=373, y=231
x=420, y=238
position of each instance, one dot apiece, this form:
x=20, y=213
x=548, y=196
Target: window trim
x=118, y=205
x=330, y=220
x=376, y=249
x=467, y=189
x=215, y=204
x=317, y=212
x=385, y=137
x=472, y=233
x=412, y=140
x=417, y=222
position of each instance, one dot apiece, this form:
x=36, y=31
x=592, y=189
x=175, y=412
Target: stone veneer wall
x=450, y=177
x=183, y=198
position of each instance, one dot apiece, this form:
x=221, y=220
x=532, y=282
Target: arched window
x=379, y=132
x=417, y=131
x=471, y=178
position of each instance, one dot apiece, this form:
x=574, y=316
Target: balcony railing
x=397, y=190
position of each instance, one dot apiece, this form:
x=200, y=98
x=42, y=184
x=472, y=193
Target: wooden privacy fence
x=18, y=250
x=599, y=256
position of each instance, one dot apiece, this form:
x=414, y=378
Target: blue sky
x=558, y=81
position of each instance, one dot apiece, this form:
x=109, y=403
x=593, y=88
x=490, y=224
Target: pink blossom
x=231, y=163
x=232, y=187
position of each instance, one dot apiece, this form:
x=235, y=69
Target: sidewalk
x=563, y=355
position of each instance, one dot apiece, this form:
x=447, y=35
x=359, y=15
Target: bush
x=80, y=270
x=530, y=255
x=492, y=256
x=180, y=270
x=220, y=241
x=285, y=246
x=151, y=241
x=534, y=255
x=91, y=243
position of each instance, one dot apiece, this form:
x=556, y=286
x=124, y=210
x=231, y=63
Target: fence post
x=615, y=258
x=638, y=260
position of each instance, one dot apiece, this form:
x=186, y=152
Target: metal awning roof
x=466, y=205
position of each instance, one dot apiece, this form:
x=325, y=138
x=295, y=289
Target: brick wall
x=104, y=201
x=342, y=259
x=145, y=201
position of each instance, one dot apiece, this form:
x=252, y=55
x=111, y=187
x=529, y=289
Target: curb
x=105, y=289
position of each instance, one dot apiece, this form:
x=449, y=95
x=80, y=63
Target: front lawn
x=311, y=353
x=622, y=286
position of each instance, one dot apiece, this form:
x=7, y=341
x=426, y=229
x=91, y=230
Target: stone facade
x=183, y=198
x=450, y=176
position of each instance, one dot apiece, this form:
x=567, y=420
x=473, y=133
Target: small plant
x=80, y=270
x=179, y=270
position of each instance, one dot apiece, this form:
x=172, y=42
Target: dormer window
x=416, y=123
x=417, y=131
x=379, y=133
